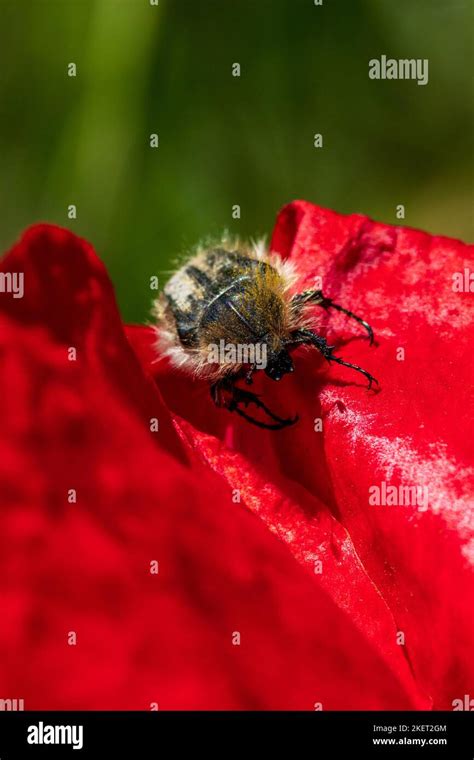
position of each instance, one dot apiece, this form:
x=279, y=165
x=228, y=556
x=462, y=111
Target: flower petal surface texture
x=159, y=553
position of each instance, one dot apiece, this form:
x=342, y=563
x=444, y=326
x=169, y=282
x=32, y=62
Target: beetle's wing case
x=193, y=311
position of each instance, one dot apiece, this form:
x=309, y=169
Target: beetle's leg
x=303, y=336
x=265, y=425
x=246, y=397
x=317, y=297
x=237, y=396
x=249, y=374
x=217, y=393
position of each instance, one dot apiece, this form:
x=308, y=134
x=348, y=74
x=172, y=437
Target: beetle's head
x=279, y=364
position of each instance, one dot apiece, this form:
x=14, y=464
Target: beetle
x=241, y=295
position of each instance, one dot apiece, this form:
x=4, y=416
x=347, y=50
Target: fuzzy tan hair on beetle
x=237, y=297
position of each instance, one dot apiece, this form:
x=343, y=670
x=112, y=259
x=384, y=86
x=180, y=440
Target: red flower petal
x=400, y=573
x=410, y=434
x=83, y=565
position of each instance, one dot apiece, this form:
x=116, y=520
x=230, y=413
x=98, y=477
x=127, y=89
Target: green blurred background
x=224, y=140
